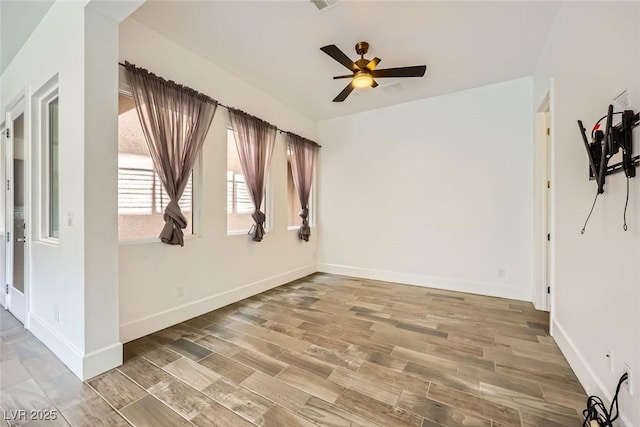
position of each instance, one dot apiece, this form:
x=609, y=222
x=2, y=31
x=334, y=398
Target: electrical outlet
x=70, y=219
x=56, y=313
x=628, y=383
x=180, y=291
x=609, y=356
x=502, y=273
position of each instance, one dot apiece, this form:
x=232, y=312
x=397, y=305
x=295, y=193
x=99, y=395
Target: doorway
x=543, y=205
x=16, y=211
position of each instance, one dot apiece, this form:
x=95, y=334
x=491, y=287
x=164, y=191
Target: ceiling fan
x=364, y=70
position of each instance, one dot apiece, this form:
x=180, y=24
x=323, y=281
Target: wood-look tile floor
x=35, y=385
x=334, y=351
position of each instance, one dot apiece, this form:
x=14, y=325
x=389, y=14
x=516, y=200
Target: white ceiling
x=276, y=45
x=18, y=19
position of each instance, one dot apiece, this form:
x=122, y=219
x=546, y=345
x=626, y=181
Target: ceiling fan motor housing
x=362, y=48
x=362, y=64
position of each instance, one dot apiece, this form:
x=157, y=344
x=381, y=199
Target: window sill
x=297, y=227
x=237, y=233
x=150, y=240
x=49, y=241
x=243, y=232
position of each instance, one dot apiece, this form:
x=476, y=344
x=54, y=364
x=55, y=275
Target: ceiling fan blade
x=346, y=76
x=333, y=51
x=374, y=84
x=343, y=95
x=373, y=63
x=416, y=71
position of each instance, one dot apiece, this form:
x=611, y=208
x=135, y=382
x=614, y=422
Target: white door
x=3, y=235
x=547, y=204
x=15, y=208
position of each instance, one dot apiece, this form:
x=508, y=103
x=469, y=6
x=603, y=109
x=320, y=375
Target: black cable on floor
x=596, y=411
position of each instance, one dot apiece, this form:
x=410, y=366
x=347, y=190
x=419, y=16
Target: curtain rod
x=220, y=104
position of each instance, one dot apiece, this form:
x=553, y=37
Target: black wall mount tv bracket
x=605, y=144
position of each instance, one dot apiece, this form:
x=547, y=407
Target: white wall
x=56, y=46
x=101, y=188
x=215, y=269
x=593, y=54
x=436, y=192
x=78, y=275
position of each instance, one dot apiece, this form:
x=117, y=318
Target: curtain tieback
x=258, y=216
x=257, y=230
x=174, y=213
x=305, y=231
x=174, y=223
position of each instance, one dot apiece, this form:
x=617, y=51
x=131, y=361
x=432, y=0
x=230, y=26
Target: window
x=239, y=205
x=141, y=197
x=46, y=120
x=53, y=169
x=238, y=198
x=47, y=115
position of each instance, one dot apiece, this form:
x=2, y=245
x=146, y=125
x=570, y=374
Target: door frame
x=3, y=233
x=543, y=187
x=20, y=105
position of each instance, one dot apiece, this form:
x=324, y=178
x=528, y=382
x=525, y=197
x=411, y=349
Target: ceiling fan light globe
x=362, y=80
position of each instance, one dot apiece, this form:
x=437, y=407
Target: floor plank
x=381, y=413
x=143, y=372
x=277, y=416
x=393, y=378
x=326, y=414
x=150, y=412
x=439, y=413
x=183, y=399
x=117, y=389
x=189, y=349
x=194, y=374
x=276, y=391
x=474, y=404
x=94, y=412
x=307, y=363
x=235, y=371
x=312, y=384
x=238, y=399
x=361, y=383
x=219, y=416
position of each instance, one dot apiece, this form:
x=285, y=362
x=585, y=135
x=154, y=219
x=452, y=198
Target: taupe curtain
x=254, y=141
x=175, y=120
x=303, y=163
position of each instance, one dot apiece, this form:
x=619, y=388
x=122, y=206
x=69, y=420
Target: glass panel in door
x=18, y=204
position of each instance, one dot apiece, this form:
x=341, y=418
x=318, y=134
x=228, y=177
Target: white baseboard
x=149, y=324
x=69, y=354
x=586, y=375
x=83, y=366
x=469, y=286
x=102, y=360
